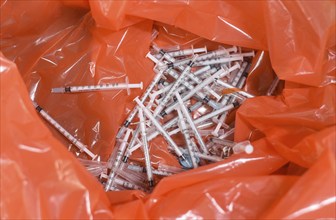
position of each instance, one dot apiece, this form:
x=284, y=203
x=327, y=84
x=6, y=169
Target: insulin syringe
x=64, y=132
x=145, y=148
x=160, y=129
x=175, y=120
x=101, y=87
x=144, y=96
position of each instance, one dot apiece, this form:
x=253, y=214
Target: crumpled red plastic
x=45, y=44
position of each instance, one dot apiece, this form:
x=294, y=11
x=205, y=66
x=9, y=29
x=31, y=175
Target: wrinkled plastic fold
x=50, y=44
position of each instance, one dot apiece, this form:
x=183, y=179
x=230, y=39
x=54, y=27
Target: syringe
x=134, y=137
x=227, y=85
x=190, y=144
x=273, y=86
x=183, y=88
x=219, y=60
x=164, y=50
x=154, y=35
x=187, y=52
x=217, y=53
x=222, y=142
x=191, y=123
x=155, y=133
x=131, y=176
x=124, y=183
x=219, y=73
x=207, y=88
x=101, y=87
x=176, y=84
x=143, y=97
x=243, y=147
x=132, y=143
x=227, y=99
x=230, y=147
x=246, y=54
x=95, y=167
x=64, y=132
x=227, y=134
x=202, y=70
x=196, y=121
x=190, y=75
x=215, y=113
x=141, y=169
x=209, y=132
x=160, y=91
x=160, y=129
x=185, y=83
x=207, y=157
x=117, y=160
x=170, y=169
x=209, y=115
x=244, y=68
x=145, y=148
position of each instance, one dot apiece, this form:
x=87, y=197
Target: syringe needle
x=145, y=148
x=64, y=132
x=101, y=87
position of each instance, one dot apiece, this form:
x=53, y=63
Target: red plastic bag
x=300, y=35
x=57, y=43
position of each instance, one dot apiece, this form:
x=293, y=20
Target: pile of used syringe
x=185, y=81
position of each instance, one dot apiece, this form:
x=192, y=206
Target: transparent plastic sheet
x=39, y=178
x=67, y=47
x=299, y=38
x=80, y=54
x=300, y=123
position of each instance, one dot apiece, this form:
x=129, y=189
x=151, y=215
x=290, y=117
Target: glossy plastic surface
x=49, y=44
x=299, y=35
x=39, y=177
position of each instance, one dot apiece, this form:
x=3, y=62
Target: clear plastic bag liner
x=299, y=35
x=48, y=44
x=300, y=123
x=39, y=178
x=85, y=55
